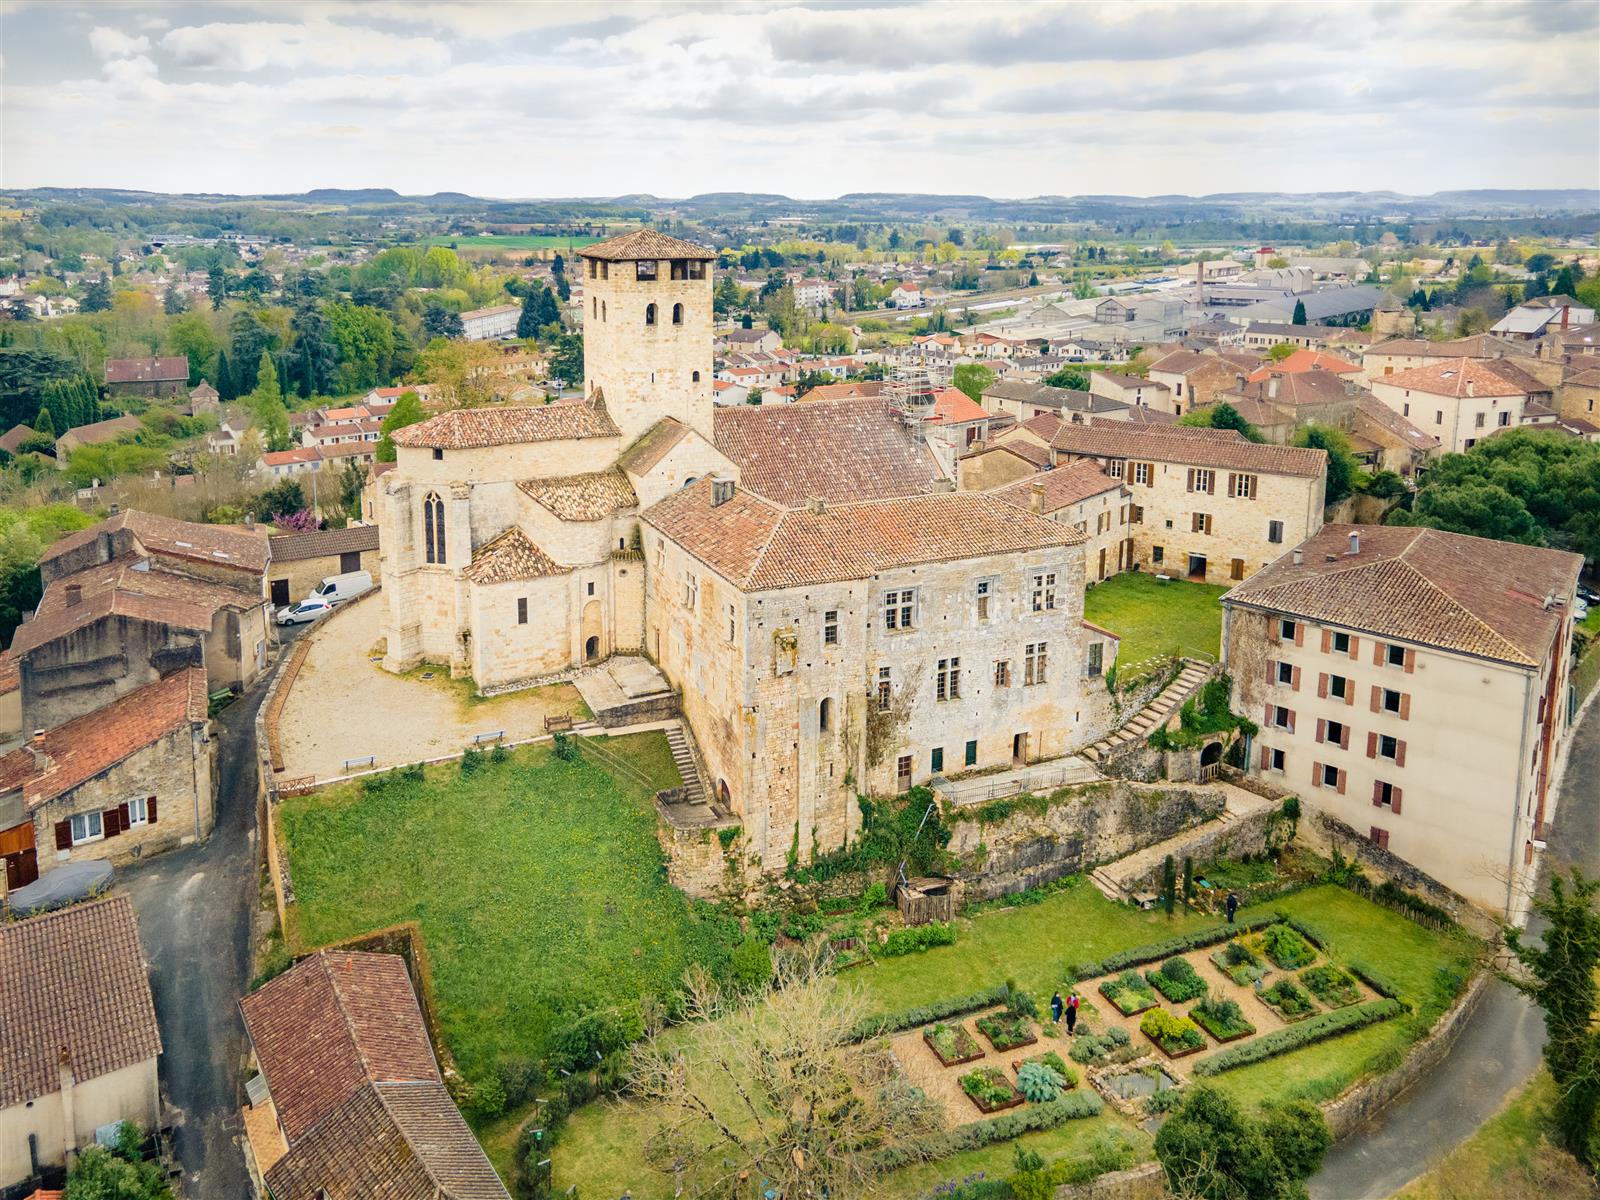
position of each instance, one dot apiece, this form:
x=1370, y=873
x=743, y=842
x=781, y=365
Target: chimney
x=1470, y=390
x=1299, y=556
x=249, y=520
x=721, y=490
x=116, y=509
x=1355, y=542
x=1036, y=499
x=816, y=506
x=1200, y=283
x=1239, y=381
x=74, y=594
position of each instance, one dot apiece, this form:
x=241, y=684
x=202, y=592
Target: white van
x=336, y=589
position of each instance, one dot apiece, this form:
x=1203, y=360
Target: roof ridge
x=346, y=1020
x=1403, y=556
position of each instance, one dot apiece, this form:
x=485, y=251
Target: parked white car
x=308, y=609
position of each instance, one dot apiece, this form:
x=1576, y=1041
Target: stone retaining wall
x=1245, y=836
x=697, y=863
x=1147, y=1181
x=640, y=712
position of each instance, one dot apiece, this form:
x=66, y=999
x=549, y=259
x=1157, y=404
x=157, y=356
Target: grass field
x=1175, y=617
x=513, y=241
x=597, y=1148
x=538, y=884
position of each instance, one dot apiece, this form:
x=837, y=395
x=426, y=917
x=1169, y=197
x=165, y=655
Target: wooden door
x=22, y=868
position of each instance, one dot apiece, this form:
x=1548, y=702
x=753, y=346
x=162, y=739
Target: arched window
x=649, y=314
x=697, y=376
x=433, y=527
x=677, y=314
x=825, y=714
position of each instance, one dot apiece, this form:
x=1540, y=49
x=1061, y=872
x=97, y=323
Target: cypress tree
x=1169, y=885
x=225, y=385
x=44, y=423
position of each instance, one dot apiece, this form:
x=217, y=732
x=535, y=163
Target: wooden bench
x=562, y=722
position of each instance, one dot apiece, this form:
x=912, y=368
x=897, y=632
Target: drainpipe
x=69, y=1121
x=1516, y=798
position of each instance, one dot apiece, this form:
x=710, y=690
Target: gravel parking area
x=344, y=705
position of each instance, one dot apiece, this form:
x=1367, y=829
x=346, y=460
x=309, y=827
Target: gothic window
x=649, y=314
x=433, y=527
x=677, y=314
x=697, y=376
x=602, y=312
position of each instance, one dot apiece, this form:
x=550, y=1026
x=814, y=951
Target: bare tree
x=774, y=1091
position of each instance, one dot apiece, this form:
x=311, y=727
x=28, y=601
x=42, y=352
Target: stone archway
x=1211, y=755
x=591, y=630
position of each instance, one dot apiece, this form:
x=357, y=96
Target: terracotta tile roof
x=1112, y=439
x=1373, y=415
x=348, y=450
x=759, y=546
x=1181, y=362
x=14, y=437
x=10, y=674
x=1259, y=413
x=292, y=456
x=228, y=545
x=1045, y=425
x=75, y=979
x=954, y=407
x=101, y=431
x=845, y=391
x=319, y=543
x=837, y=450
x=510, y=557
x=1585, y=378
x=147, y=370
x=1306, y=360
x=88, y=745
x=1299, y=388
x=1458, y=593
x=337, y=1020
x=1138, y=414
x=388, y=1141
x=1064, y=486
x=652, y=446
x=1453, y=376
x=644, y=244
x=474, y=428
x=592, y=496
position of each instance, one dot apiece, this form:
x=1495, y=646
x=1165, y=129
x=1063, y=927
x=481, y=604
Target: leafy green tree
x=190, y=335
x=24, y=375
x=1210, y=1150
x=528, y=318
x=366, y=345
x=407, y=410
x=226, y=388
x=1299, y=317
x=439, y=321
x=725, y=295
x=120, y=1172
x=282, y=499
x=217, y=287
x=96, y=296
x=1566, y=280
x=1341, y=462
x=973, y=379
x=267, y=407
x=314, y=351
x=566, y=359
x=248, y=339
x=1559, y=976
x=1068, y=377
x=1221, y=416
x=1480, y=509
x=1280, y=352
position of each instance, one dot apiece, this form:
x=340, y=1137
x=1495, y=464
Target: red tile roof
x=1064, y=486
x=652, y=446
x=954, y=407
x=511, y=557
x=1459, y=377
x=227, y=545
x=642, y=245
x=101, y=431
x=321, y=543
x=147, y=370
x=475, y=428
x=14, y=437
x=1306, y=360
x=72, y=979
x=1463, y=594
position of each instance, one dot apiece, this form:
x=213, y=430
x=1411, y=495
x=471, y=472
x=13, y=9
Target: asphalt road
x=1498, y=1049
x=195, y=907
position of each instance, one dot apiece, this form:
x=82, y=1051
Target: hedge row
x=1030, y=1118
x=1306, y=930
x=1293, y=1037
x=917, y=938
x=1378, y=983
x=1139, y=955
x=925, y=1014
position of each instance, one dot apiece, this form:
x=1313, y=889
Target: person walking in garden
x=1233, y=905
x=1072, y=1013
x=1055, y=1009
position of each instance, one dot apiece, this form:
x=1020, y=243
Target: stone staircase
x=688, y=769
x=1116, y=880
x=1156, y=713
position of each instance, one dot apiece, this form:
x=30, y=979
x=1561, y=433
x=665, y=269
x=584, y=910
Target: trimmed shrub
x=1139, y=955
x=1288, y=999
x=1330, y=985
x=1030, y=1118
x=1316, y=1029
x=1375, y=981
x=918, y=938
x=1223, y=1019
x=1039, y=1083
x=1177, y=980
x=1173, y=1034
x=1286, y=948
x=1095, y=1050
x=926, y=1014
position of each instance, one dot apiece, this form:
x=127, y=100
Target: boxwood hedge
x=1172, y=946
x=1293, y=1037
x=1030, y=1118
x=926, y=1014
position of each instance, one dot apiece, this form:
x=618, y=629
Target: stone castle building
x=836, y=618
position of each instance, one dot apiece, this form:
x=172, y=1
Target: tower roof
x=644, y=244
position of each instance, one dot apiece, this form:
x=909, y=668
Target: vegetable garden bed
x=1287, y=949
x=1225, y=1020
x=1176, y=1037
x=1332, y=986
x=1177, y=980
x=1288, y=1000
x=1239, y=963
x=1006, y=1031
x=1129, y=993
x=990, y=1090
x=952, y=1045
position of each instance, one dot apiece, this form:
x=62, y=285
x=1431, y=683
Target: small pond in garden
x=1136, y=1085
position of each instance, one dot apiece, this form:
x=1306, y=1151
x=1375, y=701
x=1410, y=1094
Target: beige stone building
x=78, y=1035
x=1205, y=504
x=1081, y=495
x=1413, y=684
x=867, y=647
x=300, y=561
x=1460, y=400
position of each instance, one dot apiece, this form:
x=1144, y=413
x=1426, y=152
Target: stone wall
x=1147, y=1181
x=656, y=708
x=697, y=863
x=1247, y=835
x=1082, y=827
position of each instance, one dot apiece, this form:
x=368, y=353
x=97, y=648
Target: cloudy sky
x=584, y=98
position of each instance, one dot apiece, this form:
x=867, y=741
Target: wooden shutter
x=63, y=835
x=1250, y=482
x=1316, y=774
x=1355, y=645
x=1322, y=685
x=1344, y=737
x=1343, y=775
x=1399, y=753
x=1299, y=633
x=1377, y=793
x=1272, y=672
x=1322, y=729
x=1405, y=706
x=1327, y=640
x=1372, y=744
x=1349, y=692
x=1232, y=477
x=150, y=809
x=1266, y=757
x=1189, y=486
x=1411, y=661
x=122, y=816
x=1377, y=654
x=1380, y=838
x=1377, y=697
x=110, y=822
x=1290, y=715
x=1294, y=678
x=1394, y=801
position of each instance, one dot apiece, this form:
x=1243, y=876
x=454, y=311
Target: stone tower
x=647, y=330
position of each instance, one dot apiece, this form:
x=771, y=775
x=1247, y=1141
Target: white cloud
x=113, y=43
x=258, y=45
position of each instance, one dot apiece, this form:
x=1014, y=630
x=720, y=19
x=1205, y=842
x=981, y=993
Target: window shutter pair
x=1394, y=796
x=1380, y=838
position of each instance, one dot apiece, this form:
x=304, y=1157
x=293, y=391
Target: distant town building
x=487, y=324
x=153, y=377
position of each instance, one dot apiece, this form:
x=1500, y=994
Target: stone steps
x=683, y=759
x=1156, y=713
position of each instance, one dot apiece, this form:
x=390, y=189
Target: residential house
x=156, y=378
x=863, y=389
x=750, y=340
x=954, y=425
x=203, y=398
x=1310, y=360
x=94, y=434
x=11, y=441
x=349, y=1103
x=1383, y=440
x=1208, y=505
x=297, y=460
x=490, y=324
x=1402, y=354
x=300, y=561
x=815, y=293
x=1192, y=378
x=78, y=1035
x=1413, y=684
x=1578, y=395
x=1532, y=319
x=1132, y=390
x=1460, y=400
x=1082, y=495
x=228, y=437
x=1004, y=461
x=1263, y=335
x=908, y=295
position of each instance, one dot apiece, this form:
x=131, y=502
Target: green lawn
x=597, y=1148
x=539, y=886
x=1175, y=617
x=515, y=241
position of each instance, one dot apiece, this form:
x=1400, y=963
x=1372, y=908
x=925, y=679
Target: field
x=538, y=885
x=1152, y=617
x=596, y=1150
x=513, y=241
